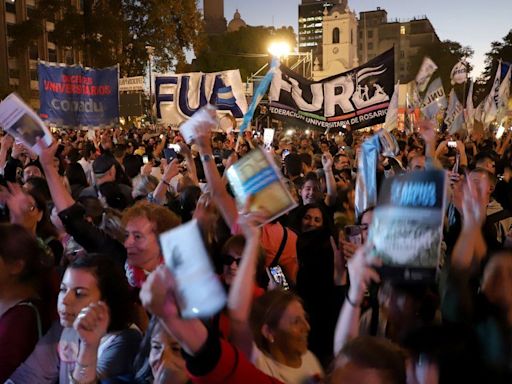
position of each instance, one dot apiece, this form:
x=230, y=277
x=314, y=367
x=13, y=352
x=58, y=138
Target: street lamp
x=150, y=50
x=279, y=49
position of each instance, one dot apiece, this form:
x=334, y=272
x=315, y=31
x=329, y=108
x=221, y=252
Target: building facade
x=214, y=20
x=18, y=68
x=339, y=43
x=311, y=13
x=376, y=34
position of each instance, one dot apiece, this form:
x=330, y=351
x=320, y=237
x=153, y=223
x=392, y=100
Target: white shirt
x=310, y=368
x=87, y=166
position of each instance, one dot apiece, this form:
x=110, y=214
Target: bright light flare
x=279, y=48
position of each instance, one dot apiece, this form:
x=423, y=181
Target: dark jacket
x=90, y=237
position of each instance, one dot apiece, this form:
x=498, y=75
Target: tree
x=118, y=31
x=171, y=26
x=245, y=49
x=499, y=50
x=445, y=54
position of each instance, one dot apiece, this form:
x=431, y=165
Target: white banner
x=179, y=96
x=135, y=83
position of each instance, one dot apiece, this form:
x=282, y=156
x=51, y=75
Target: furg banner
x=178, y=97
x=359, y=97
x=75, y=96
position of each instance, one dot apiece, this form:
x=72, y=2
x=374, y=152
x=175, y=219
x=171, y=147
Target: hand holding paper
x=20, y=121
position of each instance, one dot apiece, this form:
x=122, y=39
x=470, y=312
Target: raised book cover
x=407, y=225
x=21, y=122
x=256, y=176
x=200, y=293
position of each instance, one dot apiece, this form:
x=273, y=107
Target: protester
x=93, y=340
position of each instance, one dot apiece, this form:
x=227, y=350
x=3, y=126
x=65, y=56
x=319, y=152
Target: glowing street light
x=279, y=48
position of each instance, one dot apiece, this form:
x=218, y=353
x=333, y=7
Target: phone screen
x=276, y=273
x=145, y=159
x=353, y=234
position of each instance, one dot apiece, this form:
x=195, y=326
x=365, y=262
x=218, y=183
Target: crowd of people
x=85, y=295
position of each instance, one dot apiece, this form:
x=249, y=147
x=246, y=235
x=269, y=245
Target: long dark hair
x=114, y=288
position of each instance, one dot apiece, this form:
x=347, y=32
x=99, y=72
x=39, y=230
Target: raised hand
x=171, y=170
x=7, y=142
x=474, y=204
x=46, y=153
x=18, y=202
x=362, y=273
x=184, y=149
x=92, y=323
x=327, y=161
x=427, y=130
x=157, y=293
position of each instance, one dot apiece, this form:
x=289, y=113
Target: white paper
x=199, y=290
x=21, y=122
x=205, y=116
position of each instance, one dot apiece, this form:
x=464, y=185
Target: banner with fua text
x=359, y=97
x=179, y=96
x=74, y=96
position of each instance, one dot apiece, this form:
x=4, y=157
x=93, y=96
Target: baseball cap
x=102, y=164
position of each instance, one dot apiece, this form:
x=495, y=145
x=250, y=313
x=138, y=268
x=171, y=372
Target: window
x=402, y=29
x=14, y=73
x=52, y=55
x=68, y=56
x=336, y=36
x=11, y=51
x=402, y=54
x=31, y=13
x=351, y=36
x=33, y=52
x=370, y=46
x=33, y=74
x=370, y=34
x=10, y=6
x=10, y=30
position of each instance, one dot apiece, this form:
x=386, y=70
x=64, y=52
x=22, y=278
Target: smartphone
x=452, y=144
x=161, y=136
x=276, y=274
x=170, y=154
x=145, y=159
x=353, y=234
x=285, y=153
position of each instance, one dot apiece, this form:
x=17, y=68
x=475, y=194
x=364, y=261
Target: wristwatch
x=206, y=157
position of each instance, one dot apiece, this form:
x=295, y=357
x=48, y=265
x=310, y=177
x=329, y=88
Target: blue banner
x=74, y=96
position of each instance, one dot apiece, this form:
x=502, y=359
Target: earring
x=271, y=339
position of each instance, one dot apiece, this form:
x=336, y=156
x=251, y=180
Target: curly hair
x=162, y=218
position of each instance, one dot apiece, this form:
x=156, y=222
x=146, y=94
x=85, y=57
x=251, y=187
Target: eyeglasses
x=228, y=260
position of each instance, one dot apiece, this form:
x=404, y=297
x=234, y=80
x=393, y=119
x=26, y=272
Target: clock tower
x=339, y=45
